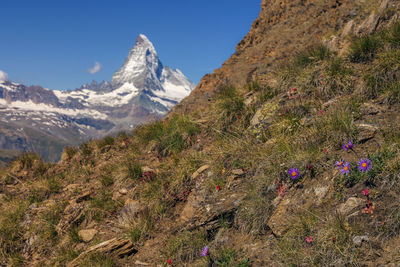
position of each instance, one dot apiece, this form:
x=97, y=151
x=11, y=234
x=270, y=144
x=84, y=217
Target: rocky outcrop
x=283, y=29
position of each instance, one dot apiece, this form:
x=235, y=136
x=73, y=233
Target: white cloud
x=95, y=68
x=3, y=76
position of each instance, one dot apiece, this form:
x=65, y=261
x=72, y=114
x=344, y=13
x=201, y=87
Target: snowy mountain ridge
x=141, y=90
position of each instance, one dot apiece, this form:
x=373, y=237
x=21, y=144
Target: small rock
x=84, y=196
x=230, y=181
x=248, y=101
x=129, y=212
x=116, y=196
x=123, y=191
x=306, y=121
x=320, y=192
x=147, y=169
x=367, y=131
x=256, y=118
x=329, y=103
x=199, y=171
x=357, y=240
x=351, y=204
x=384, y=5
x=238, y=172
x=348, y=28
x=87, y=235
x=370, y=109
x=71, y=187
x=141, y=263
x=369, y=25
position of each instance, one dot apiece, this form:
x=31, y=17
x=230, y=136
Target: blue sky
x=54, y=43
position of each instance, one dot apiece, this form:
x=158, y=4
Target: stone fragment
x=129, y=212
x=348, y=28
x=123, y=191
x=87, y=234
x=367, y=131
x=351, y=203
x=73, y=213
x=199, y=171
x=238, y=172
x=369, y=25
x=119, y=247
x=138, y=262
x=357, y=240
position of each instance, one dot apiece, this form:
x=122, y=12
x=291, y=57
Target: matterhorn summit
x=144, y=71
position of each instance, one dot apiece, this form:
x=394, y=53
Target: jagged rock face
x=283, y=28
x=142, y=90
x=142, y=67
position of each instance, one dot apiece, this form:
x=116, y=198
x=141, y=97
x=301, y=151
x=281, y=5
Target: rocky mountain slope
x=297, y=166
x=47, y=120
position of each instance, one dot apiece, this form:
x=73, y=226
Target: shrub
x=225, y=258
x=172, y=136
x=134, y=234
x=134, y=170
x=11, y=230
x=392, y=35
x=253, y=86
x=107, y=180
x=267, y=93
x=27, y=160
x=186, y=246
x=364, y=49
x=105, y=143
x=230, y=106
x=70, y=151
x=85, y=149
x=384, y=77
x=312, y=54
x=97, y=259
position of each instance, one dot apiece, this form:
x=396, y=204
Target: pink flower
x=169, y=261
x=309, y=239
x=365, y=192
x=325, y=150
x=218, y=187
x=320, y=112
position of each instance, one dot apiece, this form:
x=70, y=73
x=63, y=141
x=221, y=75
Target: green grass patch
x=364, y=48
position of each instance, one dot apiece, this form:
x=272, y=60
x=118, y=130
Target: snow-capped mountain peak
x=142, y=63
x=143, y=70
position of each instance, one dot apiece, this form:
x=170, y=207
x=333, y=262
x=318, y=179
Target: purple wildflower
x=348, y=146
x=294, y=173
x=364, y=165
x=340, y=163
x=345, y=169
x=204, y=251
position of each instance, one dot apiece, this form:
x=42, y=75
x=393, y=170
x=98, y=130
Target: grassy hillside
x=301, y=170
